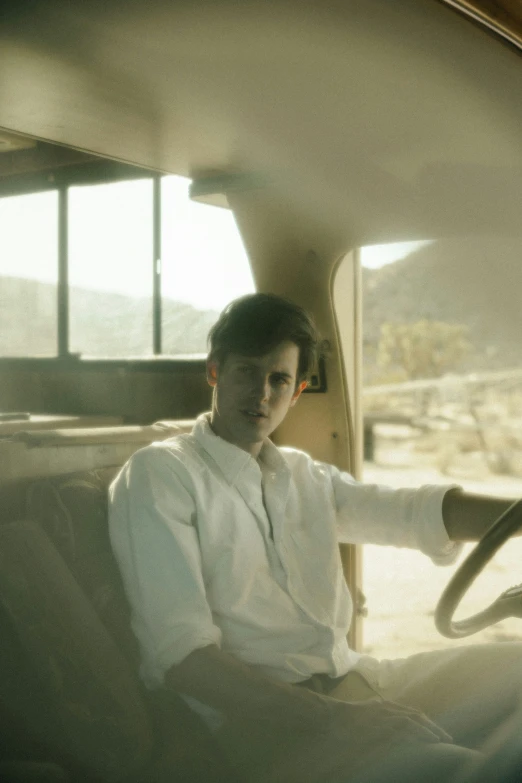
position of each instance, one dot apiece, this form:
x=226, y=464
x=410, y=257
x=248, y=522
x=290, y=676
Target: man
x=228, y=550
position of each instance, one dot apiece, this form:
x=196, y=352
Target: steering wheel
x=508, y=604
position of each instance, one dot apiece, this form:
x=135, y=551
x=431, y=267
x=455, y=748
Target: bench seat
x=70, y=693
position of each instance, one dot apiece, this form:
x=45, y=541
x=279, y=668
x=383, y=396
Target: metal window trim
x=63, y=273
x=156, y=267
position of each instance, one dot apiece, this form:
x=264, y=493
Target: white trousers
x=470, y=691
x=473, y=692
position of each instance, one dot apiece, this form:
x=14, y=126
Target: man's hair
x=255, y=324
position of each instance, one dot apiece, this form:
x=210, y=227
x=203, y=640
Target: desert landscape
x=402, y=587
x=442, y=404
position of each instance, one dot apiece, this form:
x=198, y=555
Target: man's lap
x=470, y=691
x=264, y=757
x=473, y=692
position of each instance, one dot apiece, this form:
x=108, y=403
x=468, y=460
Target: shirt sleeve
x=375, y=514
x=154, y=538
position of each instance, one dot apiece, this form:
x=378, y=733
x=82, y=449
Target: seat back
x=11, y=423
x=63, y=677
x=69, y=658
x=33, y=454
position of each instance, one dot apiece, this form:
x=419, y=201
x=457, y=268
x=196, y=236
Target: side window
x=110, y=269
x=28, y=275
x=115, y=310
x=203, y=267
x=442, y=399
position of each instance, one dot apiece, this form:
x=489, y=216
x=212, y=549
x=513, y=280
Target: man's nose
x=262, y=388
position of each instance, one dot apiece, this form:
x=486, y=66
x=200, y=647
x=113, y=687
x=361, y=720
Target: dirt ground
x=402, y=587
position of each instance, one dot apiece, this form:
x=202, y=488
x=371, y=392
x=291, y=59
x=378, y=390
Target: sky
x=110, y=243
x=375, y=256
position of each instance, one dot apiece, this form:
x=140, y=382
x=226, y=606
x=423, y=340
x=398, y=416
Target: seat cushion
x=61, y=671
x=72, y=509
x=32, y=772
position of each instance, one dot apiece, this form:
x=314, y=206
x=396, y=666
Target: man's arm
x=467, y=516
x=240, y=692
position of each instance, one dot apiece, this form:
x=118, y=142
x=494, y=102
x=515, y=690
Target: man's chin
x=258, y=426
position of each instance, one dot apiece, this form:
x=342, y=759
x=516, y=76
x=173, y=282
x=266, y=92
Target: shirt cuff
x=433, y=536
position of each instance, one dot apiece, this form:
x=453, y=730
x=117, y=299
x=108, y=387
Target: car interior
x=315, y=129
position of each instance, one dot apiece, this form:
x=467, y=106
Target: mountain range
x=101, y=324
x=476, y=283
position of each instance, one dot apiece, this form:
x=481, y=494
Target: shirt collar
x=232, y=460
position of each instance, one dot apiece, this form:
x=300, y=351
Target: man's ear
x=212, y=373
x=302, y=386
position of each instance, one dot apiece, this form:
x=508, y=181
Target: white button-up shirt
x=216, y=547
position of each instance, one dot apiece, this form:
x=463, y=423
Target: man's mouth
x=254, y=414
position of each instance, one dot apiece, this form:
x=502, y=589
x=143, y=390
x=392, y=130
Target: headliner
x=400, y=120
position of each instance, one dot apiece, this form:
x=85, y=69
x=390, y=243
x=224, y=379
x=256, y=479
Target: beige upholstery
x=72, y=511
x=32, y=772
x=40, y=422
x=160, y=430
x=31, y=455
x=69, y=661
x=83, y=699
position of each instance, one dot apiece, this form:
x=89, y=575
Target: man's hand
x=467, y=516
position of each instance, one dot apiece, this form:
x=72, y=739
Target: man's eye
x=280, y=380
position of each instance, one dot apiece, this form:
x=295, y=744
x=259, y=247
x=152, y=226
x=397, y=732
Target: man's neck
x=254, y=449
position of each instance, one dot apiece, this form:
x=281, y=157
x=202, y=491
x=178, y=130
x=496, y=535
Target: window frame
x=97, y=173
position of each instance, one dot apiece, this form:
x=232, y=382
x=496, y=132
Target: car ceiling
x=399, y=120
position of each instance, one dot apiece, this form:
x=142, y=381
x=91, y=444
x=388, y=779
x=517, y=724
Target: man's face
x=253, y=394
